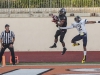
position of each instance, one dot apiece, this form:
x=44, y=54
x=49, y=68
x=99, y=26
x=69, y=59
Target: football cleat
x=53, y=46
x=84, y=59
x=63, y=52
x=76, y=44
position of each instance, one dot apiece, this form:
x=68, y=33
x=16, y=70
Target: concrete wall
x=37, y=34
x=55, y=56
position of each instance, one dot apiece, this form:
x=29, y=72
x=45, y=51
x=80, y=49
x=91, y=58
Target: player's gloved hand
x=56, y=25
x=55, y=18
x=2, y=46
x=98, y=21
x=11, y=45
x=54, y=21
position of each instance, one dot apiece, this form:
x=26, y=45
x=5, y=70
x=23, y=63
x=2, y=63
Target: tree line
x=48, y=3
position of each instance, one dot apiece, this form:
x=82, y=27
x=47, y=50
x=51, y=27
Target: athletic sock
x=85, y=53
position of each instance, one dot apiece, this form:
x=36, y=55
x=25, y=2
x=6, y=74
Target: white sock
x=85, y=53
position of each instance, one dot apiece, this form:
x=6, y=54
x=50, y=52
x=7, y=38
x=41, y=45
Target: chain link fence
x=42, y=8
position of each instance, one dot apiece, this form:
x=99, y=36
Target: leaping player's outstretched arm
x=92, y=22
x=69, y=27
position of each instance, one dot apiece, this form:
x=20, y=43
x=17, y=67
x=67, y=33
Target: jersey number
x=79, y=26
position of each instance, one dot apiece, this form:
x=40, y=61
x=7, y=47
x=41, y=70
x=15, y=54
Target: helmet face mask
x=62, y=11
x=77, y=19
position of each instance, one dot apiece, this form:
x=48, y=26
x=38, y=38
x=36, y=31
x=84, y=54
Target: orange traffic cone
x=16, y=59
x=3, y=61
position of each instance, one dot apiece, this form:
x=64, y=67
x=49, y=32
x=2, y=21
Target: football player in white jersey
x=79, y=24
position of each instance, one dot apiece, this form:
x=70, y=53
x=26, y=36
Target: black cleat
x=54, y=46
x=64, y=50
x=14, y=64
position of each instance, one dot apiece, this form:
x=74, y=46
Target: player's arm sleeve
x=85, y=21
x=1, y=36
x=13, y=35
x=69, y=27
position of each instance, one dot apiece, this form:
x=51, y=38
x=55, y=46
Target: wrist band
x=58, y=22
x=96, y=21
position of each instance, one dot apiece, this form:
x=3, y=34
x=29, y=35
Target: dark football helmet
x=62, y=11
x=77, y=19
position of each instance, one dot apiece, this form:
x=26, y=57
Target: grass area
x=57, y=63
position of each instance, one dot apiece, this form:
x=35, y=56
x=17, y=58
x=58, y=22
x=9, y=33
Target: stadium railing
x=17, y=8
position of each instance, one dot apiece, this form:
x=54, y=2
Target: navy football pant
x=79, y=37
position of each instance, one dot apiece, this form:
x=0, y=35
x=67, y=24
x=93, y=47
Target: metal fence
x=41, y=8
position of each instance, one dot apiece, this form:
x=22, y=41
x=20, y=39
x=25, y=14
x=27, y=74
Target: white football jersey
x=80, y=26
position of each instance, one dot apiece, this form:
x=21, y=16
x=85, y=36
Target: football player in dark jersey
x=60, y=22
